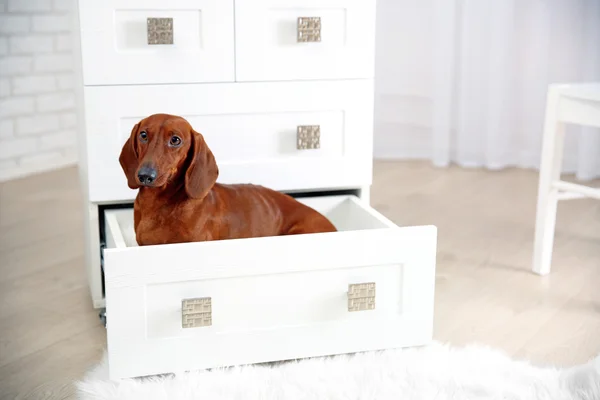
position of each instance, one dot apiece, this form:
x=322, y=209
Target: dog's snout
x=147, y=175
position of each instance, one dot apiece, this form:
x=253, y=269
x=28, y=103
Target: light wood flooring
x=50, y=334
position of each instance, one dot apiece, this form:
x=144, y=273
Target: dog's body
x=227, y=212
x=180, y=201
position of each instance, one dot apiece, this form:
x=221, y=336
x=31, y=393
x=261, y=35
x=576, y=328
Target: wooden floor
x=49, y=333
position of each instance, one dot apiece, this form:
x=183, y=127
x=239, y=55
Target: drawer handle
x=196, y=312
x=160, y=30
x=308, y=137
x=309, y=29
x=361, y=296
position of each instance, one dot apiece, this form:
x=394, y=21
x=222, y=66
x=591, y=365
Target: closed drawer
x=202, y=305
x=337, y=39
x=252, y=129
x=184, y=41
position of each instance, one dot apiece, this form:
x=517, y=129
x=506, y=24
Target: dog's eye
x=143, y=136
x=175, y=141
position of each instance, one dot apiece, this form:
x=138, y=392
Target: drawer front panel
x=141, y=42
x=249, y=304
x=264, y=300
x=242, y=139
x=252, y=129
x=292, y=40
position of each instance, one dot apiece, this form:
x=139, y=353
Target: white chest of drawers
x=248, y=74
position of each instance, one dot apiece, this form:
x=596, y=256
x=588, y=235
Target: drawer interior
x=346, y=212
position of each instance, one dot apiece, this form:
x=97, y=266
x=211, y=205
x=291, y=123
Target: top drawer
x=337, y=40
x=118, y=41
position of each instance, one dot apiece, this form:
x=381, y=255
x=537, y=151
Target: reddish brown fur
x=185, y=204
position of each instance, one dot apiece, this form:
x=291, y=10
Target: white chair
x=566, y=103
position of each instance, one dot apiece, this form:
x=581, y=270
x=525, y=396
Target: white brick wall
x=37, y=102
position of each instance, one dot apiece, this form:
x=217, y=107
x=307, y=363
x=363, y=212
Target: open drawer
x=179, y=307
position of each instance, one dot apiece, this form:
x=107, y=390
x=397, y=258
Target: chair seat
x=582, y=91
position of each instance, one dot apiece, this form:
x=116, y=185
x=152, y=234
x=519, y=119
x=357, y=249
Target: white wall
x=403, y=76
x=492, y=61
x=37, y=101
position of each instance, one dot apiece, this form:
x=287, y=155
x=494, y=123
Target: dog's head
x=163, y=148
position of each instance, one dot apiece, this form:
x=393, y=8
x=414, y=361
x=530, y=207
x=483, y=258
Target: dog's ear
x=202, y=172
x=129, y=159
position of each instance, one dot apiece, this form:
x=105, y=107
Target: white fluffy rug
x=434, y=372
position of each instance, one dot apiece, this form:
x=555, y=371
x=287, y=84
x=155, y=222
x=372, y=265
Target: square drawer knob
x=160, y=30
x=196, y=312
x=308, y=137
x=361, y=296
x=309, y=29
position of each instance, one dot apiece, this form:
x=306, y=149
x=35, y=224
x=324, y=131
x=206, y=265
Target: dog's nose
x=147, y=175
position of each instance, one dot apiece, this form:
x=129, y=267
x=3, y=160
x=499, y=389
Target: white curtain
x=464, y=81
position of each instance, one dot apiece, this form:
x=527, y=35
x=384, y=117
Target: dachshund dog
x=179, y=199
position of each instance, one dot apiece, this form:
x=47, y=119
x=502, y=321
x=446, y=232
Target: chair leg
x=550, y=168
